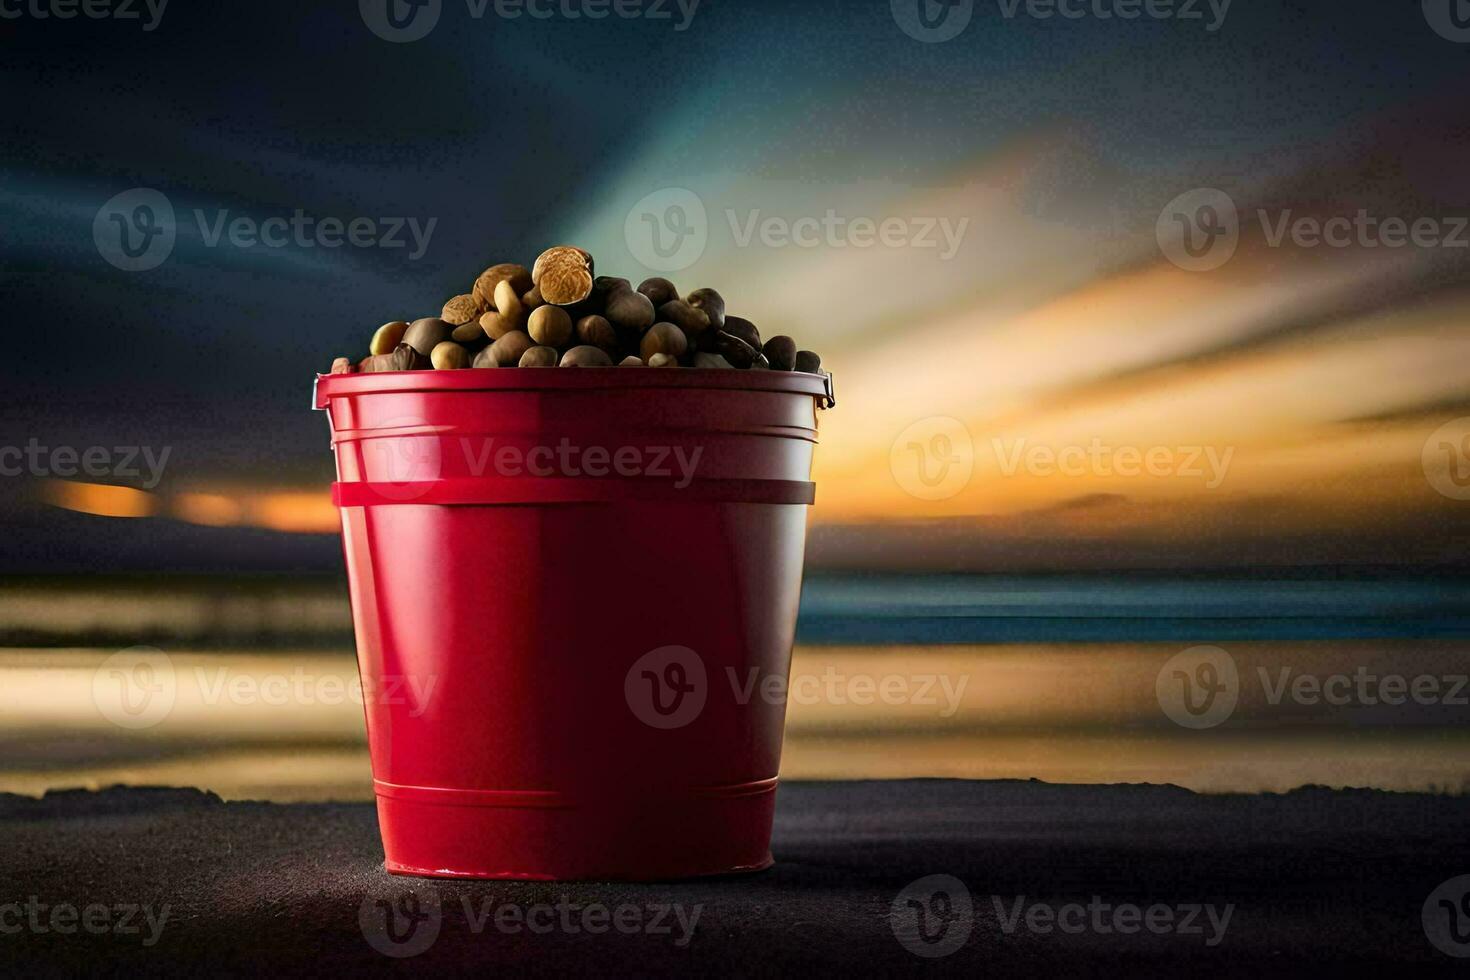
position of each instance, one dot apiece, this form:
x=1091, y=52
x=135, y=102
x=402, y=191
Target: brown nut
x=449, y=355
x=781, y=352
x=342, y=365
x=703, y=360
x=471, y=335
x=659, y=291
x=509, y=349
x=663, y=338
x=508, y=304
x=630, y=312
x=486, y=358
x=532, y=298
x=605, y=287
x=738, y=352
x=564, y=275
x=631, y=361
x=388, y=336
x=809, y=362
x=462, y=309
x=693, y=322
x=743, y=329
x=425, y=334
x=551, y=326
x=711, y=303
x=663, y=360
x=595, y=330
x=517, y=275
x=539, y=357
x=403, y=358
x=586, y=356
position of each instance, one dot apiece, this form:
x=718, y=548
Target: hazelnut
x=629, y=311
x=595, y=330
x=780, y=353
x=564, y=275
x=486, y=358
x=631, y=361
x=712, y=304
x=663, y=338
x=508, y=304
x=403, y=358
x=517, y=275
x=659, y=291
x=492, y=326
x=469, y=334
x=387, y=337
x=703, y=360
x=693, y=322
x=586, y=356
x=449, y=355
x=342, y=365
x=738, y=352
x=605, y=287
x=663, y=360
x=509, y=349
x=808, y=362
x=743, y=329
x=425, y=334
x=539, y=357
x=462, y=309
x=551, y=326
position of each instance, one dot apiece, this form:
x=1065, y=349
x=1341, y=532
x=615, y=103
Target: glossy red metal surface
x=574, y=594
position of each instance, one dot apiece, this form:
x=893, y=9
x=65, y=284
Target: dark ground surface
x=1320, y=880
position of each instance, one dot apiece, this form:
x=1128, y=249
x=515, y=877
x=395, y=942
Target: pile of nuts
x=558, y=313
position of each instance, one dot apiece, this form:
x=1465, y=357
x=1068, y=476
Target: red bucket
x=570, y=588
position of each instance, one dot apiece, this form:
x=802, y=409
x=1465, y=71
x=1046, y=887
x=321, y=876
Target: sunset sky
x=1285, y=397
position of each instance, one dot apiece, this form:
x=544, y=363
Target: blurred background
x=1150, y=328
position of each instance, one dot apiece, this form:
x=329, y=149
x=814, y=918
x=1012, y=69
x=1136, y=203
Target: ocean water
x=909, y=609
x=1057, y=678
x=848, y=609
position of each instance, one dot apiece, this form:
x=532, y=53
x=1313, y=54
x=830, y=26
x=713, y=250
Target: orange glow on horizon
x=99, y=499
